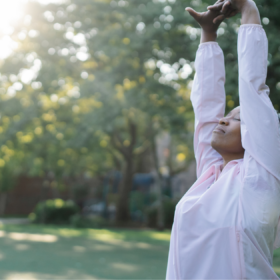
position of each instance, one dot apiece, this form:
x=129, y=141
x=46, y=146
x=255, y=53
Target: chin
x=213, y=141
x=215, y=144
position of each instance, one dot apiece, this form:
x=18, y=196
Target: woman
x=226, y=225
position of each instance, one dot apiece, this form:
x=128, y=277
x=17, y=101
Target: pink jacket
x=226, y=225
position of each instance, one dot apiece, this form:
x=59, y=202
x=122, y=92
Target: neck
x=228, y=158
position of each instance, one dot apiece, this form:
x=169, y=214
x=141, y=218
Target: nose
x=224, y=121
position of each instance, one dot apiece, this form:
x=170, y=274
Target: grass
x=30, y=252
x=47, y=252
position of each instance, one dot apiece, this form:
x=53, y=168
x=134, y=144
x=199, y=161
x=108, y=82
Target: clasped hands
x=222, y=9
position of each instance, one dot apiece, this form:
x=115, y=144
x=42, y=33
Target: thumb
x=219, y=19
x=193, y=13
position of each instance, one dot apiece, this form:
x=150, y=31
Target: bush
x=152, y=217
x=54, y=211
x=79, y=221
x=168, y=209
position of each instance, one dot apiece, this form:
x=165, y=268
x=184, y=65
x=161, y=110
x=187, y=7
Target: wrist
x=250, y=13
x=208, y=36
x=248, y=6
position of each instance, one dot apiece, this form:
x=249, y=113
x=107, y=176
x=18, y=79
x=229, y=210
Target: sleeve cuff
x=251, y=25
x=208, y=43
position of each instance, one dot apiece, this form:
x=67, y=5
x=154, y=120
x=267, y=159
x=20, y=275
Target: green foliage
x=56, y=211
x=138, y=200
x=107, y=77
x=79, y=221
x=168, y=209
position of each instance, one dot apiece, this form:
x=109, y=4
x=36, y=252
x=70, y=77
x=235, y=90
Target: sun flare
x=10, y=12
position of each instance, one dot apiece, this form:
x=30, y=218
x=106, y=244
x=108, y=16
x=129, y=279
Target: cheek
x=234, y=136
x=236, y=130
x=230, y=142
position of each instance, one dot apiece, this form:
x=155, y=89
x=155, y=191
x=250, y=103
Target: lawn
x=45, y=252
x=30, y=252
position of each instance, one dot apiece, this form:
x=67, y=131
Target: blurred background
x=96, y=131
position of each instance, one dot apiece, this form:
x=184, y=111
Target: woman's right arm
x=208, y=92
x=208, y=99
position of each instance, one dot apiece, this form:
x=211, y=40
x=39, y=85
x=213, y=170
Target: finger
x=218, y=19
x=225, y=7
x=227, y=11
x=216, y=7
x=233, y=13
x=193, y=13
x=230, y=13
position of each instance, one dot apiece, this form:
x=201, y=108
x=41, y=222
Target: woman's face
x=226, y=137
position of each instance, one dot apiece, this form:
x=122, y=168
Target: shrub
x=79, y=221
x=54, y=211
x=168, y=209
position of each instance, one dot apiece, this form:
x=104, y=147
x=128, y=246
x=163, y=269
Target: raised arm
x=208, y=93
x=208, y=99
x=259, y=120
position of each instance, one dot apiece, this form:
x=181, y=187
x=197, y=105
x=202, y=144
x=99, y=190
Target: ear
x=193, y=13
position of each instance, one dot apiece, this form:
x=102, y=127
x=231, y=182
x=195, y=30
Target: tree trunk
x=44, y=187
x=158, y=184
x=123, y=213
x=3, y=203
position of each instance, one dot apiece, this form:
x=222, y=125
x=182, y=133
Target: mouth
x=219, y=130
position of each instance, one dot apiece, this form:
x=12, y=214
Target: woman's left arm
x=259, y=120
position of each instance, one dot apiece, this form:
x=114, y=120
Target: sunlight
x=276, y=269
x=124, y=267
x=7, y=46
x=1, y=257
x=22, y=247
x=70, y=274
x=165, y=236
x=10, y=12
x=79, y=249
x=46, y=238
x=22, y=276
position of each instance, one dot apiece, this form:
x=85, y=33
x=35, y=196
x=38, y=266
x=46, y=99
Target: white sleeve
x=208, y=100
x=259, y=121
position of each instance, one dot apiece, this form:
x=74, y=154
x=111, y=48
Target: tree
x=93, y=83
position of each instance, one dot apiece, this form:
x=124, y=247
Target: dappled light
x=46, y=238
x=1, y=256
x=97, y=128
x=22, y=247
x=82, y=256
x=69, y=274
x=79, y=249
x=124, y=267
x=22, y=276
